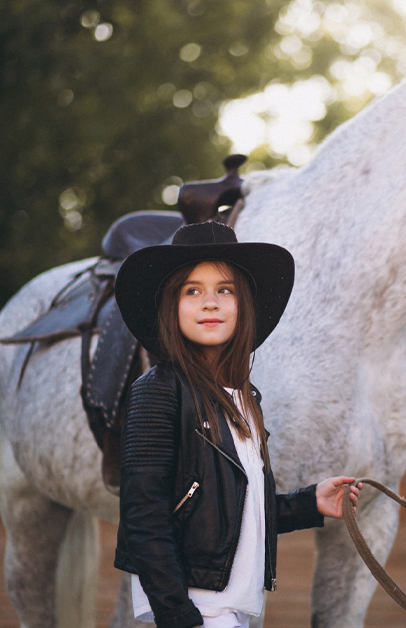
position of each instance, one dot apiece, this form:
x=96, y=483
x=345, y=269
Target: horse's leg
x=35, y=529
x=123, y=614
x=77, y=571
x=342, y=585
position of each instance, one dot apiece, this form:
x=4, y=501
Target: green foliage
x=103, y=104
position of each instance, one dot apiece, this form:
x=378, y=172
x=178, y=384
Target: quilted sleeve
x=147, y=467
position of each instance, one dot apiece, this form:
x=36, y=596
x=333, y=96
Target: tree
x=106, y=104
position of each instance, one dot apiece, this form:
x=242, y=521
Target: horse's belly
x=50, y=436
x=329, y=415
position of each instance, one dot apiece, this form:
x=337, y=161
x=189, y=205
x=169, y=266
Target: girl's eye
x=225, y=291
x=192, y=291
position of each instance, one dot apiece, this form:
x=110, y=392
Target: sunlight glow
x=242, y=125
x=281, y=118
x=400, y=6
x=301, y=15
x=359, y=76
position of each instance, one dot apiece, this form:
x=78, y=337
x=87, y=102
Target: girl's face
x=208, y=306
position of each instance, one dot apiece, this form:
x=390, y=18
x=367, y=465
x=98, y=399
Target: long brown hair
x=232, y=366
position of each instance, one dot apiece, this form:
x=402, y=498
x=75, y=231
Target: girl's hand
x=330, y=493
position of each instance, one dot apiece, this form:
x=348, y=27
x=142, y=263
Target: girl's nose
x=210, y=303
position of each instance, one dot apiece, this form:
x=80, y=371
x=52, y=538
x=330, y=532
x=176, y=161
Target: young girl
x=199, y=510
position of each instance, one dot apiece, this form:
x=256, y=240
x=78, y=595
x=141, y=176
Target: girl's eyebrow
x=191, y=283
x=199, y=283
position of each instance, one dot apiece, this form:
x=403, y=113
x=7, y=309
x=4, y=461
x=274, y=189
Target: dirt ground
x=289, y=608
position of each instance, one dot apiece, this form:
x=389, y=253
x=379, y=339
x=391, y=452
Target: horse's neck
x=343, y=217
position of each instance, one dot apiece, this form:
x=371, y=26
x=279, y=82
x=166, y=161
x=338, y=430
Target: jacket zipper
x=238, y=467
x=273, y=579
x=222, y=452
x=188, y=495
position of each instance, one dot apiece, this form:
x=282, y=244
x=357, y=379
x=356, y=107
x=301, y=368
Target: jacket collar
x=226, y=442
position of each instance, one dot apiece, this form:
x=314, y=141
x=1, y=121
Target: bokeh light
x=103, y=32
x=90, y=19
x=281, y=117
x=182, y=98
x=190, y=52
x=170, y=194
x=71, y=203
x=238, y=49
x=65, y=97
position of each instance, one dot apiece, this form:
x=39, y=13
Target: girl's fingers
x=341, y=479
x=354, y=490
x=343, y=482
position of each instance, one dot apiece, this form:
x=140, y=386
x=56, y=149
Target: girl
x=199, y=511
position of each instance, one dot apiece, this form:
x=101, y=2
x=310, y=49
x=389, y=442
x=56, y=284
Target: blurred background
x=106, y=107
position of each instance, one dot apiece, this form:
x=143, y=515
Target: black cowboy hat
x=269, y=268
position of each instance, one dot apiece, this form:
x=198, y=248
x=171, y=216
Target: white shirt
x=244, y=594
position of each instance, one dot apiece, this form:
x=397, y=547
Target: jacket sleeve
x=298, y=510
x=147, y=468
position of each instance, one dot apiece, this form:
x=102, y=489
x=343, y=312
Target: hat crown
x=204, y=233
x=268, y=267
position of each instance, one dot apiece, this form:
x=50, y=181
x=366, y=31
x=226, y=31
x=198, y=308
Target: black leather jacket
x=182, y=500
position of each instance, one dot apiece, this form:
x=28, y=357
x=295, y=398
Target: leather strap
x=369, y=559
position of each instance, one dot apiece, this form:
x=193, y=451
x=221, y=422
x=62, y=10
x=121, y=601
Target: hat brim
x=145, y=271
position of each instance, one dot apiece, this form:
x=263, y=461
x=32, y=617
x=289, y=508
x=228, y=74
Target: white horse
x=332, y=375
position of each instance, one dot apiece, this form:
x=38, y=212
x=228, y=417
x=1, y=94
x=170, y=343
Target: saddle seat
x=140, y=229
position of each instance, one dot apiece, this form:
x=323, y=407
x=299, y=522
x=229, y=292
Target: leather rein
x=369, y=559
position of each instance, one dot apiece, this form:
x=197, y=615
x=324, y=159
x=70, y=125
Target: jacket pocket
x=186, y=499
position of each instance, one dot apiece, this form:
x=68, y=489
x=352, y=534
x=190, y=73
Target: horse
x=332, y=376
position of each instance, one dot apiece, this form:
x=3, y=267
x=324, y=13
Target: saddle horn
x=199, y=200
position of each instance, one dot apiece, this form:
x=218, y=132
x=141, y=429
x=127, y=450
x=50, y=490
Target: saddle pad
x=64, y=318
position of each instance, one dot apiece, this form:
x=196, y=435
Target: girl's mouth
x=210, y=322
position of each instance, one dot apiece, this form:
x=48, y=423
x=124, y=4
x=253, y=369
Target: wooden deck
x=289, y=608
